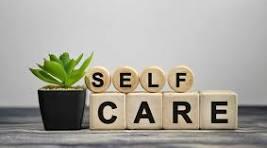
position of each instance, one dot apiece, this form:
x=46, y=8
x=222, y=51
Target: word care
x=167, y=110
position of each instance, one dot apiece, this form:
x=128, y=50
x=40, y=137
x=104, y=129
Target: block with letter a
x=144, y=110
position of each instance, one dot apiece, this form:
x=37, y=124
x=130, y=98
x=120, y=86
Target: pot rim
x=61, y=89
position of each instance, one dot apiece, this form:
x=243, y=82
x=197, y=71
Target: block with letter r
x=180, y=110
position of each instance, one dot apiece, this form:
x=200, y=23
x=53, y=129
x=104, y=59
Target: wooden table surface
x=23, y=127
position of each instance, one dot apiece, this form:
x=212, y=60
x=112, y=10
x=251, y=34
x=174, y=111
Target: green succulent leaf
x=54, y=58
x=40, y=66
x=42, y=75
x=78, y=59
x=70, y=66
x=56, y=70
x=74, y=77
x=45, y=60
x=86, y=63
x=65, y=58
x=61, y=70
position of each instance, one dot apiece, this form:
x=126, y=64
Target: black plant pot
x=62, y=109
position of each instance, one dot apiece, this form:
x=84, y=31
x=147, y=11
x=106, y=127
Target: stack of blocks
x=154, y=109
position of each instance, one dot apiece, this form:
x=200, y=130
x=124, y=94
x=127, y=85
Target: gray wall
x=224, y=42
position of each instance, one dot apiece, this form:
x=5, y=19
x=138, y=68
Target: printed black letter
x=101, y=109
x=97, y=77
x=214, y=111
x=123, y=79
x=177, y=112
x=148, y=115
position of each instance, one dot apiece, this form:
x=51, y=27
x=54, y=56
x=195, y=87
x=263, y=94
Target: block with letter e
x=107, y=110
x=218, y=109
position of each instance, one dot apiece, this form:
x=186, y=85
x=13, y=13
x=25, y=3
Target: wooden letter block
x=125, y=79
x=180, y=110
x=218, y=110
x=144, y=110
x=107, y=111
x=97, y=79
x=181, y=78
x=152, y=79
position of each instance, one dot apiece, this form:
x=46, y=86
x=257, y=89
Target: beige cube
x=125, y=79
x=144, y=110
x=152, y=79
x=181, y=78
x=180, y=110
x=97, y=79
x=107, y=111
x=218, y=110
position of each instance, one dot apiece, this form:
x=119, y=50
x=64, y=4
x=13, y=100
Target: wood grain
x=22, y=127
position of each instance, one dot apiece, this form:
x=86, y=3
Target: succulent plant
x=62, y=70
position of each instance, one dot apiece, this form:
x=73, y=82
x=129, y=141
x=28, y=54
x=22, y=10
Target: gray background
x=224, y=42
